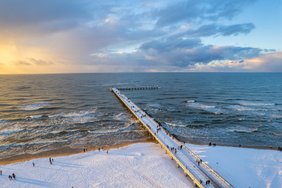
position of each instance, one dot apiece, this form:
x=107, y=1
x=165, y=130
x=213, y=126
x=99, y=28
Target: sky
x=83, y=36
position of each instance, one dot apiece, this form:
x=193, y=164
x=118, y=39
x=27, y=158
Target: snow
x=136, y=165
x=145, y=165
x=244, y=167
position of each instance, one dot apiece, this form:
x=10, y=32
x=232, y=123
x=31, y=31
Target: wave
x=239, y=108
x=37, y=117
x=120, y=117
x=34, y=106
x=19, y=88
x=115, y=84
x=175, y=124
x=243, y=130
x=253, y=103
x=82, y=116
x=154, y=105
x=205, y=107
x=190, y=101
x=3, y=121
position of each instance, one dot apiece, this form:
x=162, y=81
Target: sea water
x=44, y=112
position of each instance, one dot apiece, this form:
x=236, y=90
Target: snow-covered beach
x=145, y=165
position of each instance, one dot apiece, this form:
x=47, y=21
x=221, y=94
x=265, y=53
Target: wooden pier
x=197, y=170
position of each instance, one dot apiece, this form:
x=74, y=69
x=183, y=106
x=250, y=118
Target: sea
x=45, y=112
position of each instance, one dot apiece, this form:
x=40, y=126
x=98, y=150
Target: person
x=10, y=177
x=33, y=164
x=14, y=176
x=50, y=160
x=0, y=172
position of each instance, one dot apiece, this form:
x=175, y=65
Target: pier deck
x=199, y=172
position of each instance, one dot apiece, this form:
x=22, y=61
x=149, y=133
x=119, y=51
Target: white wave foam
x=120, y=117
x=207, y=108
x=77, y=117
x=254, y=103
x=34, y=106
x=190, y=101
x=37, y=117
x=240, y=108
x=175, y=124
x=115, y=84
x=243, y=129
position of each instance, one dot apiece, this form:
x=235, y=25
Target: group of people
x=212, y=144
x=207, y=182
x=12, y=177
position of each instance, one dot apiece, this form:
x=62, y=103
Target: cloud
x=35, y=16
x=182, y=52
x=271, y=62
x=33, y=61
x=126, y=35
x=195, y=11
x=215, y=29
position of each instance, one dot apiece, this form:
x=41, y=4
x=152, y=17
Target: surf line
x=197, y=170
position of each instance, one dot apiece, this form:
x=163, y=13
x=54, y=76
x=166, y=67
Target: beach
x=145, y=165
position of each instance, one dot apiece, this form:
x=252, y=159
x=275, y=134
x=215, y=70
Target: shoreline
x=66, y=151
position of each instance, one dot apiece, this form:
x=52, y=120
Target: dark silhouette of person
x=14, y=176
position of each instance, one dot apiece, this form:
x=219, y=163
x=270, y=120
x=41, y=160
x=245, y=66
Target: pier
x=138, y=88
x=197, y=170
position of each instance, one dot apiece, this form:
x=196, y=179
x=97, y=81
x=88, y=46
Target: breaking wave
x=82, y=116
x=243, y=130
x=120, y=117
x=34, y=106
x=204, y=107
x=253, y=103
x=175, y=124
